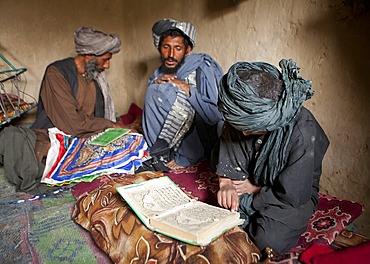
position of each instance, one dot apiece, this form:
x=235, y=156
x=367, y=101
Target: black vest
x=68, y=69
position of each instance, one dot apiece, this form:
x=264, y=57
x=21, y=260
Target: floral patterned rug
x=333, y=214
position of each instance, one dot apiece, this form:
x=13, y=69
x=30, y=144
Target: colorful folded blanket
x=71, y=159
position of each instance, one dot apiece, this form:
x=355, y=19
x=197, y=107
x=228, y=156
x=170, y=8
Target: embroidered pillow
x=332, y=216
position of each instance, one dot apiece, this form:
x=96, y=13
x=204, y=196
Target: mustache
x=170, y=59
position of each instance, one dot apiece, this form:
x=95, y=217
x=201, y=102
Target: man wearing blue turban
x=181, y=120
x=270, y=152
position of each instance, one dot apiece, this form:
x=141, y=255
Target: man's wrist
x=223, y=181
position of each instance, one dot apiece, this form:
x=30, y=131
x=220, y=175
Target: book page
x=155, y=200
x=196, y=217
x=164, y=207
x=196, y=222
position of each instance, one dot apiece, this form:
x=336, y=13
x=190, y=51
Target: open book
x=109, y=135
x=163, y=207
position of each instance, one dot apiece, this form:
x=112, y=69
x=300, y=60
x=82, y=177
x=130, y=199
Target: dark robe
x=284, y=208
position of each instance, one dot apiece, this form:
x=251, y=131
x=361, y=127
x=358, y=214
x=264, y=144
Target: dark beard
x=164, y=70
x=90, y=70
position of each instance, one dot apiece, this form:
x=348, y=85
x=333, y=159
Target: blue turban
x=245, y=110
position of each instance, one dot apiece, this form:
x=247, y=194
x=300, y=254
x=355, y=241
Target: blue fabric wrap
x=248, y=112
x=160, y=97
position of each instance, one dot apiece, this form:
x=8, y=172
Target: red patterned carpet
x=332, y=216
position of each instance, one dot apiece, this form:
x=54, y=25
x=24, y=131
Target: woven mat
x=40, y=229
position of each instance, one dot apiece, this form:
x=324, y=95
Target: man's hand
x=227, y=196
x=245, y=187
x=171, y=78
x=165, y=78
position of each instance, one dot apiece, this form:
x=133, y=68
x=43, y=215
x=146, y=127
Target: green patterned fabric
x=40, y=230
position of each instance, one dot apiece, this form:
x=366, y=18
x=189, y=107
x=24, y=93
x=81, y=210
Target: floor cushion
x=120, y=234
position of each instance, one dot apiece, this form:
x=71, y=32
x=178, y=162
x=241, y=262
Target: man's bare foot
x=173, y=166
